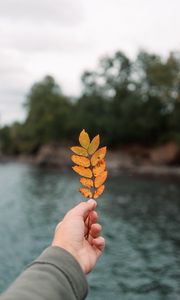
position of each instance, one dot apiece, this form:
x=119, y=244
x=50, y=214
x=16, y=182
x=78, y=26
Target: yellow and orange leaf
x=99, y=180
x=98, y=155
x=79, y=150
x=99, y=168
x=84, y=139
x=99, y=191
x=90, y=164
x=86, y=182
x=86, y=172
x=85, y=192
x=80, y=160
x=94, y=144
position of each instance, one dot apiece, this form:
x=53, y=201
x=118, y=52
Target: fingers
x=98, y=245
x=95, y=230
x=84, y=208
x=91, y=218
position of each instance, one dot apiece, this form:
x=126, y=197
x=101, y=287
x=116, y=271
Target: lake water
x=140, y=217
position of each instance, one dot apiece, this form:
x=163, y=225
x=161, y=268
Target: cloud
x=65, y=37
x=44, y=39
x=65, y=12
x=14, y=80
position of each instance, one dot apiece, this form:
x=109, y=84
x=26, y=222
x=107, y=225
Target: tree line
x=126, y=101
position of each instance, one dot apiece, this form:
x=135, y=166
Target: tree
x=126, y=101
x=5, y=140
x=112, y=73
x=47, y=112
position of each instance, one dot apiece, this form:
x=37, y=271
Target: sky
x=63, y=38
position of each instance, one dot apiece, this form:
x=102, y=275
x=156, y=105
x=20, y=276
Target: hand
x=71, y=232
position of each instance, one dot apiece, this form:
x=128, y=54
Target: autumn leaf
x=80, y=160
x=94, y=144
x=84, y=139
x=79, y=150
x=99, y=191
x=86, y=182
x=86, y=172
x=98, y=155
x=99, y=168
x=90, y=164
x=85, y=192
x=99, y=180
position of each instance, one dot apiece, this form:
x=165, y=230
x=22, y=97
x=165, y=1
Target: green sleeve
x=54, y=275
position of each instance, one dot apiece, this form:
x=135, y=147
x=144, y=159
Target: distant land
x=161, y=161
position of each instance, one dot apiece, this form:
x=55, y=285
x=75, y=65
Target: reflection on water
x=140, y=217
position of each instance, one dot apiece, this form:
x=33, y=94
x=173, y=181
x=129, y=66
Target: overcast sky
x=64, y=37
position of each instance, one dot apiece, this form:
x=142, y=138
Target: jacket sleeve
x=54, y=275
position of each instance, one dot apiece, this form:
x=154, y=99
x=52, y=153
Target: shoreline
x=118, y=162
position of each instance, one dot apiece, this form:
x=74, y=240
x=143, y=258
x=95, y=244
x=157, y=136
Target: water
x=140, y=217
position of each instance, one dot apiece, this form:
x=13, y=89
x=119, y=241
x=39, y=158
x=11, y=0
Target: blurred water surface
x=140, y=217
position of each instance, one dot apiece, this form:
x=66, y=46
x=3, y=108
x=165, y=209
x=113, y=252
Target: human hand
x=71, y=232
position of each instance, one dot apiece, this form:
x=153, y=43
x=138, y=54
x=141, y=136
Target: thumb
x=84, y=208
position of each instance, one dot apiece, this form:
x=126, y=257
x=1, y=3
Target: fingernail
x=92, y=201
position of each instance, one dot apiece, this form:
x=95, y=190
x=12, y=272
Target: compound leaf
x=85, y=192
x=84, y=139
x=99, y=168
x=98, y=155
x=79, y=150
x=80, y=160
x=94, y=144
x=99, y=191
x=99, y=180
x=86, y=182
x=90, y=164
x=86, y=172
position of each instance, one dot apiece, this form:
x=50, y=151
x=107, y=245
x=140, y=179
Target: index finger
x=84, y=208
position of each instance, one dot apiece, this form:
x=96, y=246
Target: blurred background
x=113, y=68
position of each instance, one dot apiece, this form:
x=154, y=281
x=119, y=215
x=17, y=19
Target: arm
x=54, y=275
x=59, y=272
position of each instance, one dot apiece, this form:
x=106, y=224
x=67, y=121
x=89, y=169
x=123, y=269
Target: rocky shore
x=154, y=161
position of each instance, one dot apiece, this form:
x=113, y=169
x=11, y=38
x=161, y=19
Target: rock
x=165, y=154
x=52, y=155
x=134, y=159
x=118, y=160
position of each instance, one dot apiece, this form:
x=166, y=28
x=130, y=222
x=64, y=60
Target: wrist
x=71, y=250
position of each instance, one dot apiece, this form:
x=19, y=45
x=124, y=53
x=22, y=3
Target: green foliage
x=125, y=101
x=13, y=139
x=5, y=139
x=48, y=113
